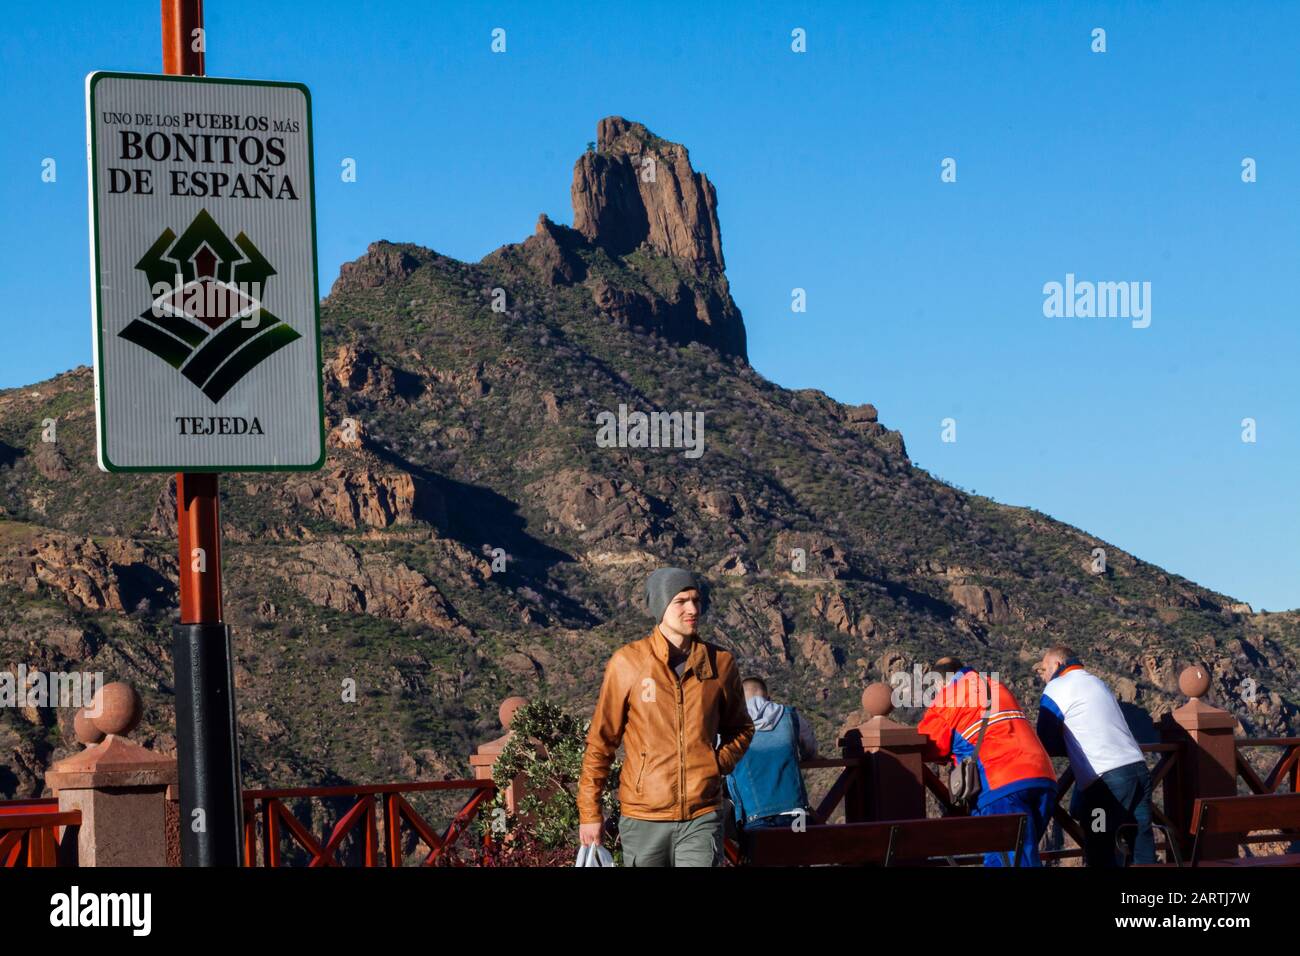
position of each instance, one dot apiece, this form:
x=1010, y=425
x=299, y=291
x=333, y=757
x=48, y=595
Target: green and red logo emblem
x=207, y=319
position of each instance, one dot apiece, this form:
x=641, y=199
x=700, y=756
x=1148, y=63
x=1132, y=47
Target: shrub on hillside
x=545, y=751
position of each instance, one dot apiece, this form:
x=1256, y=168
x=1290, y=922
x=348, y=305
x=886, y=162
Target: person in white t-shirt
x=1079, y=717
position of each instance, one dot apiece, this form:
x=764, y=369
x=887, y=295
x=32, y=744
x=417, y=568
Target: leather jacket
x=668, y=728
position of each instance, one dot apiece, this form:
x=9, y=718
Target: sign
x=203, y=274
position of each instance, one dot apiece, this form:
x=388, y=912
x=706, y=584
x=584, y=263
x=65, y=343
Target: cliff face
x=635, y=187
x=469, y=539
x=645, y=240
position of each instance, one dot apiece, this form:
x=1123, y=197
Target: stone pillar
x=892, y=785
x=172, y=813
x=485, y=757
x=1207, y=763
x=117, y=785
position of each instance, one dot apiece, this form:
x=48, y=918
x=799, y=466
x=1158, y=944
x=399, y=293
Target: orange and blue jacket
x=1011, y=758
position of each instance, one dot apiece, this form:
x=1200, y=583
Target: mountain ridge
x=469, y=539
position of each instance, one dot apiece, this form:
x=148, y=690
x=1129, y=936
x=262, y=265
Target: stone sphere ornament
x=84, y=727
x=877, y=700
x=1194, y=681
x=508, y=708
x=119, y=708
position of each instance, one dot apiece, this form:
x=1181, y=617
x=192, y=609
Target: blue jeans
x=775, y=820
x=1036, y=804
x=1118, y=798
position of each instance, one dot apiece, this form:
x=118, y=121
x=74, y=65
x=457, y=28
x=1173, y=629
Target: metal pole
x=207, y=737
x=180, y=18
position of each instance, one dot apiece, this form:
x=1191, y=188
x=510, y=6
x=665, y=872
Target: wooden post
x=118, y=786
x=485, y=757
x=892, y=784
x=856, y=799
x=1208, y=761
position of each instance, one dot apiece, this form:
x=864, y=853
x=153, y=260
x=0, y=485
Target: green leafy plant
x=545, y=751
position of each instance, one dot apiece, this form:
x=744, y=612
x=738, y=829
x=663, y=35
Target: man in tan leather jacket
x=676, y=705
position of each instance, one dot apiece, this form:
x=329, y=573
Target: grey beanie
x=665, y=584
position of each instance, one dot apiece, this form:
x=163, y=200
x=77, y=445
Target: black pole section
x=207, y=745
x=207, y=739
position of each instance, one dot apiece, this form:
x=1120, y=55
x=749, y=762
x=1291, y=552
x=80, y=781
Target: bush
x=546, y=750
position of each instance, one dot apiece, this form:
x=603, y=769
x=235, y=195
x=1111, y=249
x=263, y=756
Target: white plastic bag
x=594, y=855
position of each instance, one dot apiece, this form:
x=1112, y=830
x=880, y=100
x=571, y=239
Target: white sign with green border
x=203, y=274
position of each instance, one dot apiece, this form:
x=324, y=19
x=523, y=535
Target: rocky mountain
x=474, y=536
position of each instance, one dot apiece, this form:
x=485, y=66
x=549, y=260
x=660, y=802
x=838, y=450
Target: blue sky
x=924, y=297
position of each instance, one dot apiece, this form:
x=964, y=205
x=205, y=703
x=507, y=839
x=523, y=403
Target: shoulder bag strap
x=984, y=724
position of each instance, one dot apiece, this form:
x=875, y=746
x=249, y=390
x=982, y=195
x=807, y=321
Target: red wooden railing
x=1168, y=756
x=362, y=817
x=1166, y=763
x=39, y=805
x=844, y=783
x=36, y=833
x=1286, y=769
x=1287, y=764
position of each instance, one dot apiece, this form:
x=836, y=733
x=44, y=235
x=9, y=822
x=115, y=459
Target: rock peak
x=635, y=187
x=382, y=262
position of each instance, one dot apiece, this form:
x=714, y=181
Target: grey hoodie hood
x=763, y=712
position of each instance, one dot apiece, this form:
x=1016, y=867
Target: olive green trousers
x=695, y=842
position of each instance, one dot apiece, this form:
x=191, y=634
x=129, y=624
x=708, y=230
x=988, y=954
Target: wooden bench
x=886, y=842
x=1239, y=816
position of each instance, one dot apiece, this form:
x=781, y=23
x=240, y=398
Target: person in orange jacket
x=1016, y=774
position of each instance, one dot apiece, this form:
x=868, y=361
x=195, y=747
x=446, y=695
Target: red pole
x=197, y=509
x=199, y=525
x=180, y=18
x=207, y=732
